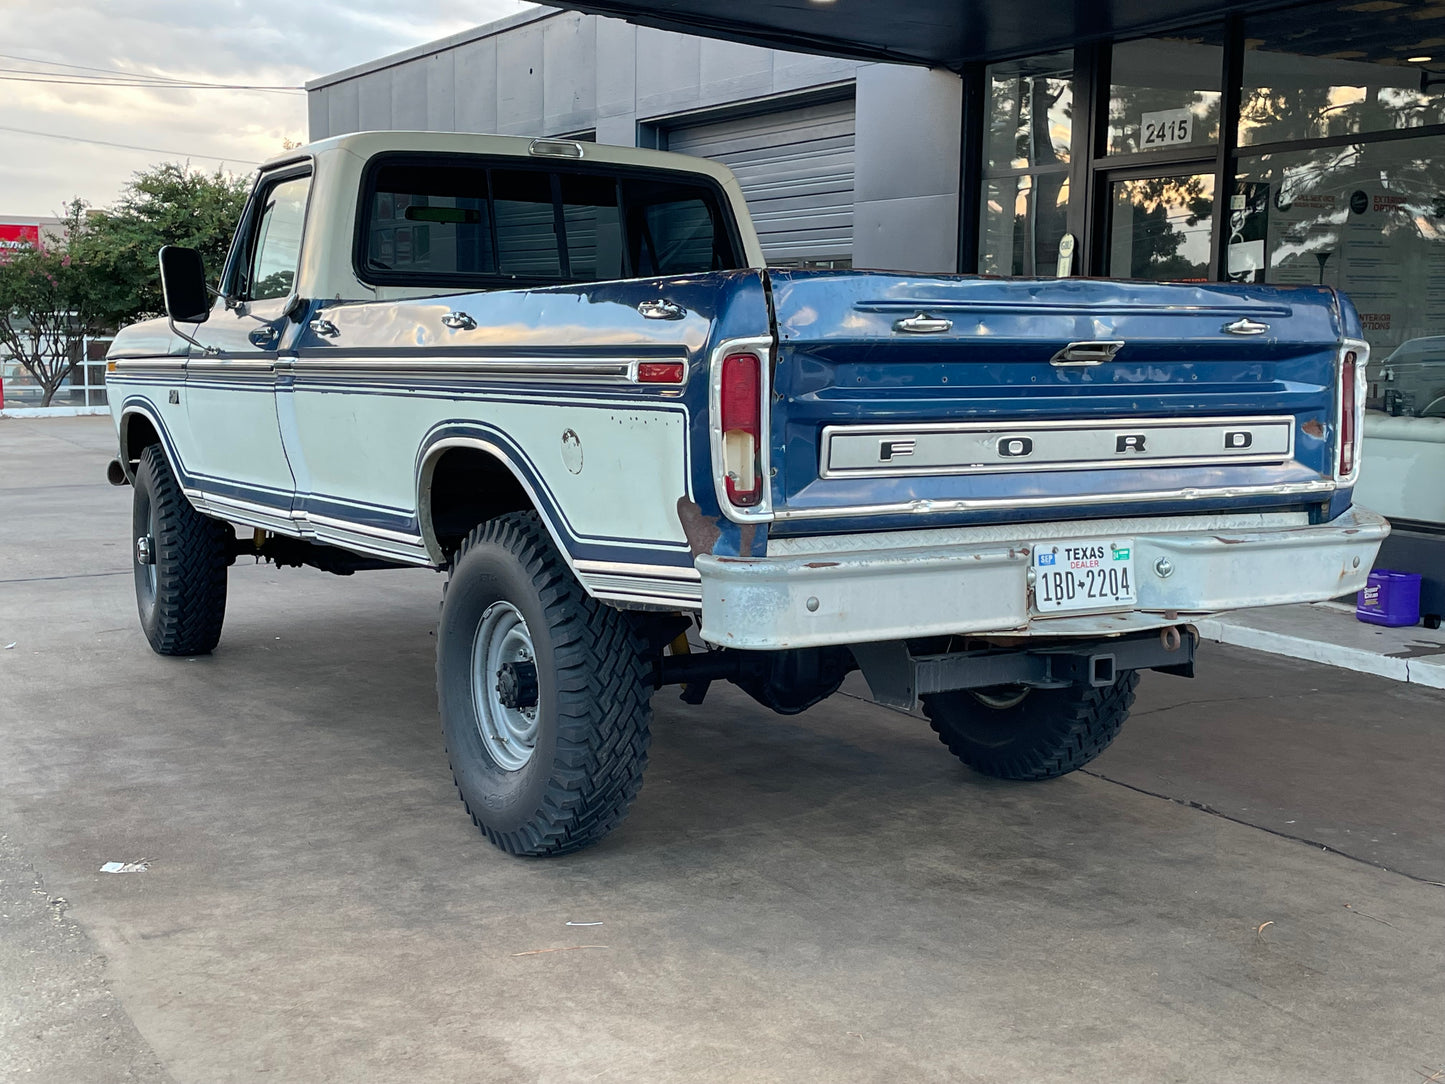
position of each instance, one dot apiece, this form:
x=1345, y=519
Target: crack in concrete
x=71, y=576
x=1204, y=807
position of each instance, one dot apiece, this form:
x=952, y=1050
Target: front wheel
x=543, y=692
x=1015, y=732
x=180, y=559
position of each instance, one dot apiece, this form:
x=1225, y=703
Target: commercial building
x=1298, y=144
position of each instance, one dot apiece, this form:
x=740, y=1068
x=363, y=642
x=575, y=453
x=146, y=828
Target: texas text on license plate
x=1083, y=574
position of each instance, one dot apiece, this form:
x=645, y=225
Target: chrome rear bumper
x=975, y=580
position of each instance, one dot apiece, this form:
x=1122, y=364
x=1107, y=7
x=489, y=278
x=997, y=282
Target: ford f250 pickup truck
x=563, y=373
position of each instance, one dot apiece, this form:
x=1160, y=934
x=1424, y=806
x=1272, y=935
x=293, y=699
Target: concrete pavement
x=829, y=897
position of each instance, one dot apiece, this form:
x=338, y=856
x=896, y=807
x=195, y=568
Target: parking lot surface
x=1246, y=887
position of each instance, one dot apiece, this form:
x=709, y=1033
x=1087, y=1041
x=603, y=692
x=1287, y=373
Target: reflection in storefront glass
x=1165, y=92
x=1023, y=220
x=1342, y=70
x=1160, y=228
x=1368, y=219
x=1031, y=110
x=1410, y=381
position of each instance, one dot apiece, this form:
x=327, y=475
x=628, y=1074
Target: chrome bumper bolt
x=1164, y=568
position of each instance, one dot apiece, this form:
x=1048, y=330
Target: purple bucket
x=1390, y=598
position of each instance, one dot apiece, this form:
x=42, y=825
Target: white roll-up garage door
x=796, y=169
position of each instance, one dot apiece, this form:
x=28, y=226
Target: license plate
x=1083, y=574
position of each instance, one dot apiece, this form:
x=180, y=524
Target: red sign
x=16, y=236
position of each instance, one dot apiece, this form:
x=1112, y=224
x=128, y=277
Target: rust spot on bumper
x=821, y=564
x=702, y=531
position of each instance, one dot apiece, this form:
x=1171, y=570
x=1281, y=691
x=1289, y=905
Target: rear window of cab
x=465, y=221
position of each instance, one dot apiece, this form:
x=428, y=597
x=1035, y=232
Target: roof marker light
x=555, y=148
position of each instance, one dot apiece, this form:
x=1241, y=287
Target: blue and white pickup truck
x=563, y=373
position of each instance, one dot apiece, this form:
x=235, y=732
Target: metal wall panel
x=796, y=169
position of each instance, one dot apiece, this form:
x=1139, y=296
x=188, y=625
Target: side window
x=276, y=241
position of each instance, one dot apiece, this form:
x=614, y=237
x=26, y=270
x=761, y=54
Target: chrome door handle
x=323, y=326
x=923, y=324
x=661, y=309
x=1245, y=326
x=264, y=336
x=459, y=321
x=1088, y=353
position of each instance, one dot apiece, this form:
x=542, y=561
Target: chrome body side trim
x=521, y=370
x=232, y=365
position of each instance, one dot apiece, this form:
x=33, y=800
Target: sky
x=234, y=42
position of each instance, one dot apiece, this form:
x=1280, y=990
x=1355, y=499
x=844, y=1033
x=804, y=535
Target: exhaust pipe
x=115, y=473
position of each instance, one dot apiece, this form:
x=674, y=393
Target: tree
x=167, y=205
x=48, y=307
x=102, y=272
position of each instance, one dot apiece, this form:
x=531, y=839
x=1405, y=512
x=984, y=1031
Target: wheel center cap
x=144, y=550
x=517, y=684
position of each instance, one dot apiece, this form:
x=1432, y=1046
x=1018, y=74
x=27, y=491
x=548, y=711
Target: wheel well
x=464, y=487
x=137, y=434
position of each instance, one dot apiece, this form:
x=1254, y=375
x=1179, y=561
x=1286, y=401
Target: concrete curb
x=1332, y=637
x=53, y=412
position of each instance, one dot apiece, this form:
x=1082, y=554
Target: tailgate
x=973, y=400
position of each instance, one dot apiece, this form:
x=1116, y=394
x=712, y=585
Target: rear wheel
x=543, y=692
x=1015, y=732
x=180, y=559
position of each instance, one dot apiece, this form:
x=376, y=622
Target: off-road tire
x=1048, y=733
x=592, y=695
x=183, y=607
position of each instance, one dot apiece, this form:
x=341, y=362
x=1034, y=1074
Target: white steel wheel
x=504, y=686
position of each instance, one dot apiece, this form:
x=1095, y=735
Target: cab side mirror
x=183, y=283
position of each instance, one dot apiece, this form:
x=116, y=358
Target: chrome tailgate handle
x=1245, y=326
x=661, y=309
x=1088, y=353
x=923, y=324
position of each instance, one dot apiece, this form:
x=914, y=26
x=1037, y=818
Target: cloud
x=255, y=42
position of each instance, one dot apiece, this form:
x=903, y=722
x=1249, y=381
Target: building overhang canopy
x=938, y=33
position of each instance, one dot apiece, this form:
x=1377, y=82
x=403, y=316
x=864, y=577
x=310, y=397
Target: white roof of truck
x=367, y=144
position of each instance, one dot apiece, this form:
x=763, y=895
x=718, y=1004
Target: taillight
x=1348, y=396
x=740, y=410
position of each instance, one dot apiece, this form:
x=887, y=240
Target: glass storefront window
x=1023, y=220
x=1026, y=171
x=1341, y=69
x=1031, y=111
x=1367, y=218
x=1159, y=227
x=1164, y=92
